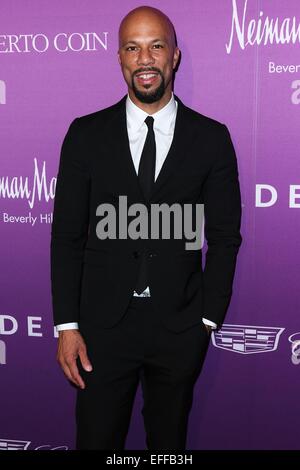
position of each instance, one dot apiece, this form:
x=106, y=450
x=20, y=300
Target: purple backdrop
x=240, y=65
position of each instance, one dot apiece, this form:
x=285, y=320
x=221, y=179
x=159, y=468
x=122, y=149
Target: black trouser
x=138, y=347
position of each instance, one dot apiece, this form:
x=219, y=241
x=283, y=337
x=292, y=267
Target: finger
x=85, y=362
x=67, y=373
x=76, y=378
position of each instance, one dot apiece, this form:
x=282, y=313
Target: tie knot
x=149, y=121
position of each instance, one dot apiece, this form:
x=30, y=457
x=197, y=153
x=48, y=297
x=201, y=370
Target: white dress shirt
x=164, y=124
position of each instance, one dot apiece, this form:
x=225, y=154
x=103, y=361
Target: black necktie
x=146, y=171
x=146, y=176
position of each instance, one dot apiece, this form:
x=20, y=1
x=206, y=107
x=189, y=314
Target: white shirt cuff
x=210, y=323
x=67, y=326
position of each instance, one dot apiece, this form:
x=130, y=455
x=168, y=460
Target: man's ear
x=119, y=58
x=176, y=57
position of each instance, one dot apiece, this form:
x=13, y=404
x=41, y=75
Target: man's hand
x=208, y=328
x=70, y=346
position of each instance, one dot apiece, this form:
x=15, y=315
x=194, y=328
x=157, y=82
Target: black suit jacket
x=92, y=279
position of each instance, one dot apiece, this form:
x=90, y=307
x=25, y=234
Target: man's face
x=147, y=56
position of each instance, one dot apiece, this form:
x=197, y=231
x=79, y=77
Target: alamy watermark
x=160, y=222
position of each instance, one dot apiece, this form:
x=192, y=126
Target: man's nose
x=145, y=57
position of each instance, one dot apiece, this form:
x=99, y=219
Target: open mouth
x=147, y=78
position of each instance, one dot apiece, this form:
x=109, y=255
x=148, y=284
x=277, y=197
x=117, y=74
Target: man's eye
x=158, y=46
x=131, y=48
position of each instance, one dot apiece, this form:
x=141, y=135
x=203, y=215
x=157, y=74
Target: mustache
x=143, y=70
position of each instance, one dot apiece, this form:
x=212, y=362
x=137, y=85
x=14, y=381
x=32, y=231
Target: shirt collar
x=162, y=119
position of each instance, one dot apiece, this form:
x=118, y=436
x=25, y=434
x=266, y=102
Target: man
x=130, y=309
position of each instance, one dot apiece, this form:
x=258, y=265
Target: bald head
x=148, y=55
x=148, y=15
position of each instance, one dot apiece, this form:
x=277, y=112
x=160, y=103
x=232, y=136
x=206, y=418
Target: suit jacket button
x=136, y=254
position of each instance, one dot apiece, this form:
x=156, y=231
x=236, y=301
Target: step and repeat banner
x=240, y=65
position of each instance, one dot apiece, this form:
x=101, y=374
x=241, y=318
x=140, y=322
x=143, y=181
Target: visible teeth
x=147, y=75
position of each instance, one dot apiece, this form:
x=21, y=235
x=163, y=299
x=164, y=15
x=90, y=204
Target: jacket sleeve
x=69, y=227
x=222, y=216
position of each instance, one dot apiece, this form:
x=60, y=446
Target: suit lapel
x=121, y=153
x=176, y=152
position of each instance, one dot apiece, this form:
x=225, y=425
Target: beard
x=151, y=96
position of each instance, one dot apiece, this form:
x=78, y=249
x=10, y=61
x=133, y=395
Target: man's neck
x=151, y=108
